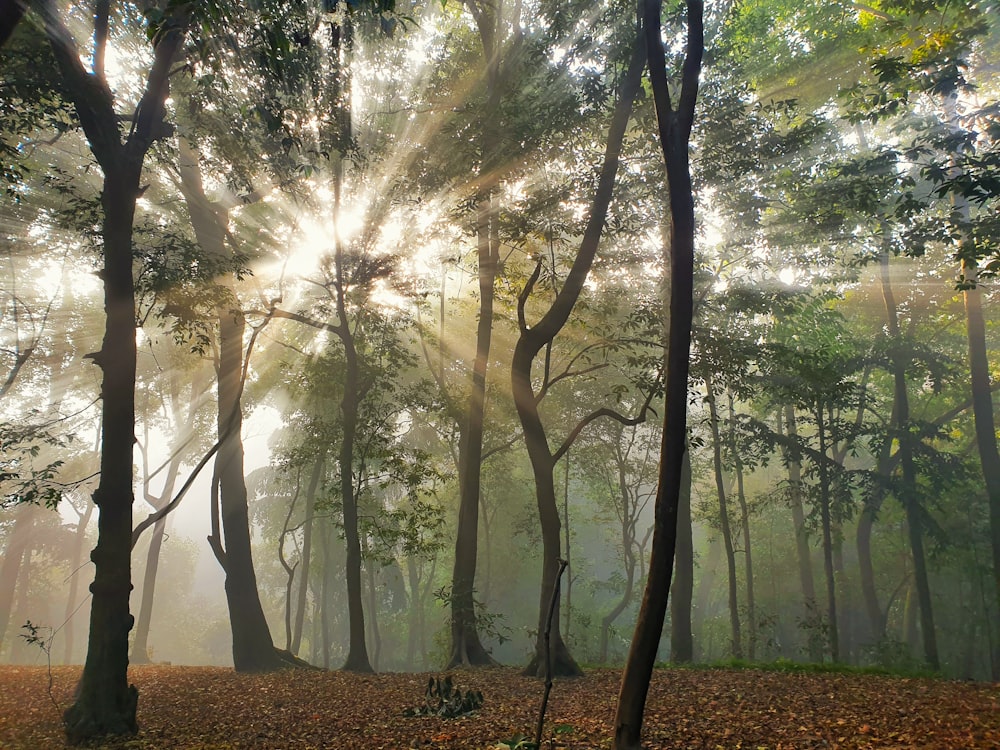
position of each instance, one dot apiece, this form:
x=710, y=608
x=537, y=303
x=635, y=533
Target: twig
x=548, y=656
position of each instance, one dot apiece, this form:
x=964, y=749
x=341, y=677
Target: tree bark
x=735, y=643
x=908, y=489
x=105, y=702
x=674, y=131
x=253, y=647
x=682, y=593
x=19, y=540
x=826, y=522
x=530, y=342
x=466, y=647
x=306, y=558
x=802, y=549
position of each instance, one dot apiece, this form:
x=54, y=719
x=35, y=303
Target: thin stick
x=548, y=656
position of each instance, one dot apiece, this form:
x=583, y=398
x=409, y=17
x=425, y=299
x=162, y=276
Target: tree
x=105, y=702
x=531, y=341
x=674, y=130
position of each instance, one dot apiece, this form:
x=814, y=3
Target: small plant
x=517, y=742
x=442, y=698
x=34, y=637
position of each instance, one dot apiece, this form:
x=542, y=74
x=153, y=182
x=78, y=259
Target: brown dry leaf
x=217, y=709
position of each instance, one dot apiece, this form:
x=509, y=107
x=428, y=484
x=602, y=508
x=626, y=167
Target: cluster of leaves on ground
x=216, y=709
x=445, y=699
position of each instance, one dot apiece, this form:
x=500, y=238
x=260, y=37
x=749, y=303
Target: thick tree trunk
x=682, y=591
x=253, y=648
x=106, y=703
x=736, y=644
x=674, y=132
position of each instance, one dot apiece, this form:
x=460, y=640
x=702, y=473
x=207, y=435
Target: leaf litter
x=211, y=708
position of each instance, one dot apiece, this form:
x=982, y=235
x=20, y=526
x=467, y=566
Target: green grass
x=795, y=667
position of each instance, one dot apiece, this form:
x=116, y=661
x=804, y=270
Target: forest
x=385, y=336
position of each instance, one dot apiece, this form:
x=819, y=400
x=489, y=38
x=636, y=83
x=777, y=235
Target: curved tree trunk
x=253, y=647
x=674, y=128
x=530, y=342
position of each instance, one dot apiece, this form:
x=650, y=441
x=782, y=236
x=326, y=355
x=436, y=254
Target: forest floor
x=216, y=709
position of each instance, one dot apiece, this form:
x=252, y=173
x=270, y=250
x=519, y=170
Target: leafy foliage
x=442, y=698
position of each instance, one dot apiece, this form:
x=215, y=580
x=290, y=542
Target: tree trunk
x=982, y=406
x=747, y=562
x=682, y=593
x=79, y=539
x=19, y=540
x=466, y=647
x=827, y=529
x=674, y=132
x=253, y=648
x=306, y=558
x=106, y=703
x=910, y=498
x=736, y=645
x=802, y=550
x=628, y=553
x=357, y=654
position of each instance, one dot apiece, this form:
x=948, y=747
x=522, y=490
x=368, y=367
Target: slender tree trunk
x=910, y=498
x=802, y=550
x=537, y=337
x=466, y=647
x=674, y=132
x=628, y=553
x=745, y=527
x=736, y=645
x=76, y=557
x=982, y=406
x=568, y=615
x=357, y=654
x=827, y=528
x=682, y=591
x=140, y=645
x=306, y=559
x=19, y=540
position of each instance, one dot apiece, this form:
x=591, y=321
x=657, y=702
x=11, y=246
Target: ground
x=215, y=709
